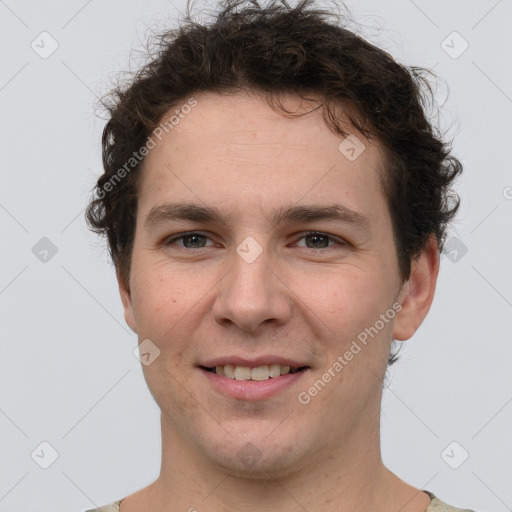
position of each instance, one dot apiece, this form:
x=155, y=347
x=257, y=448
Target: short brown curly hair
x=281, y=49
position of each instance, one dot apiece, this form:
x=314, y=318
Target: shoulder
x=437, y=505
x=113, y=507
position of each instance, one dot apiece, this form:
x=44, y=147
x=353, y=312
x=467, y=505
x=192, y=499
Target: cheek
x=345, y=301
x=164, y=303
x=167, y=387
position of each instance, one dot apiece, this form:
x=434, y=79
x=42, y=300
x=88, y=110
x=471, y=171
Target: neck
x=346, y=477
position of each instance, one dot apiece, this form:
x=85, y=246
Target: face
x=259, y=269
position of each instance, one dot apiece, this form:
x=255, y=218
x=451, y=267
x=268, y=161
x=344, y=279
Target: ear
x=126, y=299
x=417, y=294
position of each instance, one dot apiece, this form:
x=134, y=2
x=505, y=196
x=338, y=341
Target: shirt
x=436, y=505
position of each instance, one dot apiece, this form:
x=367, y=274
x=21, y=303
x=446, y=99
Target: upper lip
x=252, y=362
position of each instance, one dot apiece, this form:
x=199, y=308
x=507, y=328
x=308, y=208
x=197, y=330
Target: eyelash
x=336, y=240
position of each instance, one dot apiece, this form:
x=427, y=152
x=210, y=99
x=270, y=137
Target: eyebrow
x=302, y=214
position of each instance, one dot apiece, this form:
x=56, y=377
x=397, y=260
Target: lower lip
x=252, y=389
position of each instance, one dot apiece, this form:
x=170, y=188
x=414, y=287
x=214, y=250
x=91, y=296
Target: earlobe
x=126, y=299
x=417, y=293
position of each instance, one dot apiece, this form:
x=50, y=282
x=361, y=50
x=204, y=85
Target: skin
x=298, y=299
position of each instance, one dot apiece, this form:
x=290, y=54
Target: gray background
x=68, y=374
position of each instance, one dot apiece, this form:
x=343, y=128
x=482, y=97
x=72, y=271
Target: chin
x=256, y=458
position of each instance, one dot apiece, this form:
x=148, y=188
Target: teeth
x=259, y=373
x=229, y=371
x=275, y=370
x=242, y=373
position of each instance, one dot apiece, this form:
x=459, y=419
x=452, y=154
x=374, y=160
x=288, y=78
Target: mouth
x=256, y=373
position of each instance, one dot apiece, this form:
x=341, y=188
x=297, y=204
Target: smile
x=258, y=373
x=252, y=383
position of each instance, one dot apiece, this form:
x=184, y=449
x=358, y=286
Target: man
x=275, y=204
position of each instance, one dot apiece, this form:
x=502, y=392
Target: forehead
x=247, y=121
x=238, y=151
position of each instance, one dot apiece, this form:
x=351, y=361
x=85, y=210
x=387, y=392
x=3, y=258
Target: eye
x=191, y=240
x=321, y=240
x=197, y=240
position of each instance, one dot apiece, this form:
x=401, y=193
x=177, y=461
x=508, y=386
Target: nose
x=252, y=294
